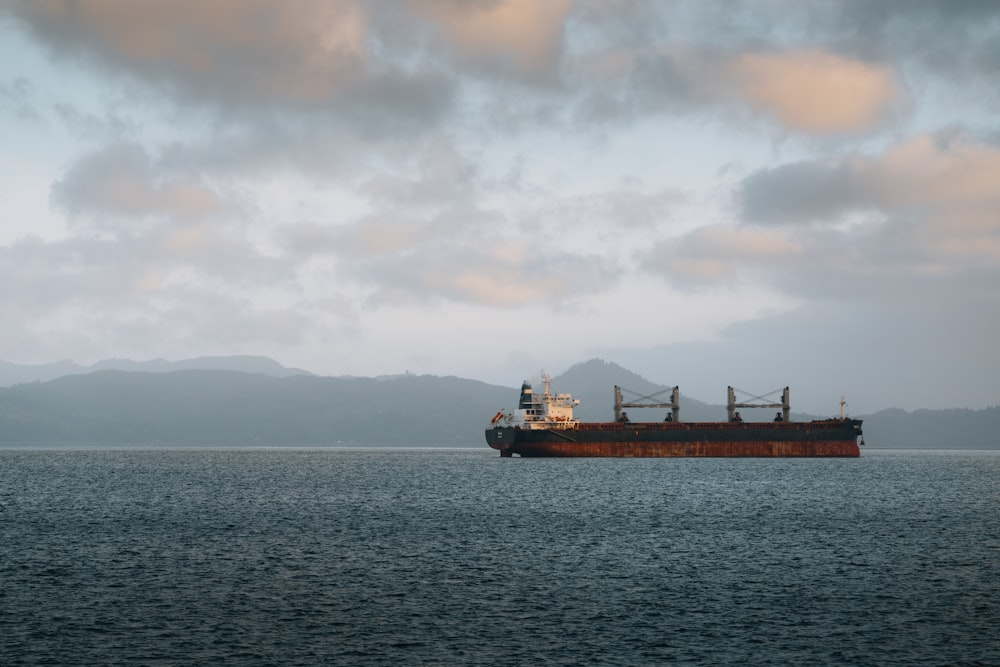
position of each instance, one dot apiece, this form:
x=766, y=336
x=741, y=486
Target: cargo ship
x=544, y=425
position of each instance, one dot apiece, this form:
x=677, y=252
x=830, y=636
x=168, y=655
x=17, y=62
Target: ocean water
x=458, y=557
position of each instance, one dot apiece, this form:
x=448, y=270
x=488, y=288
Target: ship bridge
x=545, y=410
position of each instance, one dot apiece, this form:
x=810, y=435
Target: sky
x=759, y=194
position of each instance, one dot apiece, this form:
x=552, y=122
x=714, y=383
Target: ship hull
x=828, y=438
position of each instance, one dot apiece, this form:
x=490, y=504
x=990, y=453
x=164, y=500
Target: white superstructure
x=545, y=410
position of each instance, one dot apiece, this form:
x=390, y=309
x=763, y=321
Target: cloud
x=918, y=221
x=141, y=232
x=522, y=38
x=956, y=41
x=462, y=254
x=120, y=180
x=438, y=174
x=815, y=92
x=802, y=192
x=236, y=51
x=503, y=275
x=940, y=184
x=929, y=172
x=17, y=98
x=719, y=253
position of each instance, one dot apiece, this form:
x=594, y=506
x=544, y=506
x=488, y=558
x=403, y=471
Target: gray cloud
x=802, y=193
x=923, y=177
x=237, y=52
x=496, y=278
x=109, y=127
x=437, y=175
x=949, y=38
x=517, y=40
x=457, y=252
x=17, y=97
x=120, y=180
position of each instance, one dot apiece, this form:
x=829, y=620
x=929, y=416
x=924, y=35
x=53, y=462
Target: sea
x=408, y=556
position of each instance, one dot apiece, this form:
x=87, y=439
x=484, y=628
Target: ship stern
x=501, y=438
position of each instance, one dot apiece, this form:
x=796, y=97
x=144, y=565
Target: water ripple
x=430, y=557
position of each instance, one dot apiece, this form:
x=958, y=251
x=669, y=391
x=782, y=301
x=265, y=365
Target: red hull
x=825, y=438
x=758, y=449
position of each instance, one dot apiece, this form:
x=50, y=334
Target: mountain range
x=257, y=401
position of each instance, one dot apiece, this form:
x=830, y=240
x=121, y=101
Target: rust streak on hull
x=831, y=438
x=761, y=449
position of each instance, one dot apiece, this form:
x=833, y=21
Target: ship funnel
x=527, y=396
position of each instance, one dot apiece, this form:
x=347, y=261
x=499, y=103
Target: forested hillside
x=231, y=408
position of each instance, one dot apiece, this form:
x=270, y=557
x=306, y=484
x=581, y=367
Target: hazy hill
x=934, y=429
x=239, y=363
x=226, y=407
x=12, y=374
